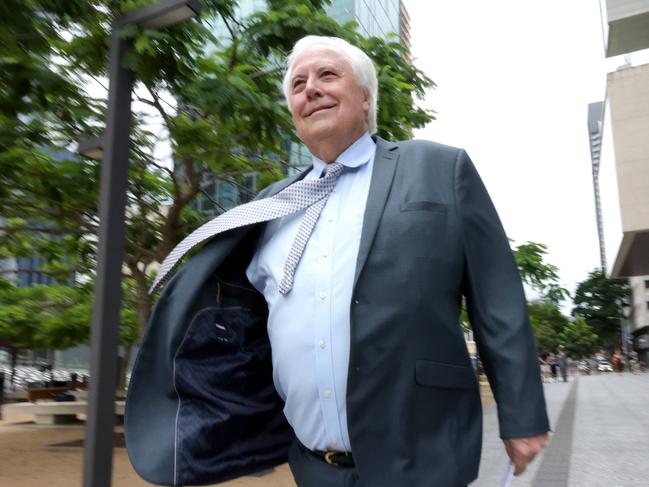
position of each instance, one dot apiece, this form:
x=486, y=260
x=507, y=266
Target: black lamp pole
x=98, y=455
x=114, y=146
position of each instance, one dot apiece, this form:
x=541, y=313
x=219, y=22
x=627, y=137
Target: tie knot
x=333, y=170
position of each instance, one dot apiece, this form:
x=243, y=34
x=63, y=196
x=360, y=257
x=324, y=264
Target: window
x=249, y=188
x=646, y=284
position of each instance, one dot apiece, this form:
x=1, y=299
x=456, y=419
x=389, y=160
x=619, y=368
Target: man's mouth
x=319, y=109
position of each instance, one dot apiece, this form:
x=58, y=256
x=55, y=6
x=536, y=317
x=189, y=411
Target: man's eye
x=297, y=84
x=328, y=73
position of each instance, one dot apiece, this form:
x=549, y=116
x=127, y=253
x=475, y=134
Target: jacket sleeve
x=497, y=309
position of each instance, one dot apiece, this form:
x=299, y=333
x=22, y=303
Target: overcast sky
x=514, y=80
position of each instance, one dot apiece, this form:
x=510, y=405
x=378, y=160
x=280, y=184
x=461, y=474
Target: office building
x=626, y=29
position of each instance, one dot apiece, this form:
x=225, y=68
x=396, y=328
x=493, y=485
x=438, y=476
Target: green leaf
x=143, y=45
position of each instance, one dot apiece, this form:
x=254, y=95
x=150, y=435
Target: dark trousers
x=310, y=471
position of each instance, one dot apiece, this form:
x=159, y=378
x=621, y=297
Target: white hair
x=362, y=67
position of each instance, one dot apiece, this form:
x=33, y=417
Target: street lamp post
x=624, y=325
x=113, y=147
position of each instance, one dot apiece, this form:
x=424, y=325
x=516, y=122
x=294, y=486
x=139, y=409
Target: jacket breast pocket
x=421, y=223
x=423, y=206
x=449, y=376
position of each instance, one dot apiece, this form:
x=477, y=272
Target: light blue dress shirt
x=309, y=327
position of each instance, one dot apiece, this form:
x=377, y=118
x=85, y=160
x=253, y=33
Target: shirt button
x=355, y=301
x=330, y=219
x=322, y=344
x=325, y=253
x=323, y=295
x=327, y=393
x=334, y=439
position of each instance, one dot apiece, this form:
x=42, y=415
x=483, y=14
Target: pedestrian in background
x=552, y=361
x=562, y=362
x=617, y=362
x=545, y=367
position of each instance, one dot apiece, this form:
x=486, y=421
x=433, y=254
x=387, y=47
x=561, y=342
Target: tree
x=579, y=339
x=547, y=322
x=217, y=98
x=599, y=300
x=54, y=317
x=539, y=274
x=17, y=328
x=28, y=314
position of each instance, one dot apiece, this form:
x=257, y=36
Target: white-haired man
x=329, y=334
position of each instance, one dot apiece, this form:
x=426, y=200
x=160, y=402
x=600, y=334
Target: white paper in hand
x=508, y=475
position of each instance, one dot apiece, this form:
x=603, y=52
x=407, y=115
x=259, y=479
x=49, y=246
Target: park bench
x=37, y=394
x=52, y=412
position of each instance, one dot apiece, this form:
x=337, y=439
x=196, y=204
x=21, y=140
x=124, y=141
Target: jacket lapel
x=385, y=163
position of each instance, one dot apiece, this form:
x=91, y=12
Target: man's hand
x=522, y=451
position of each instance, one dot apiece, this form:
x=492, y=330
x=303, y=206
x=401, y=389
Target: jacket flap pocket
x=422, y=206
x=437, y=374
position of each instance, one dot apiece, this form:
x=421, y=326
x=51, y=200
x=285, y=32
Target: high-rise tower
x=595, y=127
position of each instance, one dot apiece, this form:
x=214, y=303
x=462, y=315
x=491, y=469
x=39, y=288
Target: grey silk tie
x=312, y=193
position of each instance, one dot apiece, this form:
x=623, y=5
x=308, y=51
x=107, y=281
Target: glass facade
x=375, y=18
x=32, y=263
x=342, y=11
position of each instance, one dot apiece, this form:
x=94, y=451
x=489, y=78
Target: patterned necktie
x=312, y=193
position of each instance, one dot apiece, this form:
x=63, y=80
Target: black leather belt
x=341, y=459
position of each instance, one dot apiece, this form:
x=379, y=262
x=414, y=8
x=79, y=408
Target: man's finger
x=519, y=467
x=522, y=451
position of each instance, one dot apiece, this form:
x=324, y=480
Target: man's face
x=326, y=101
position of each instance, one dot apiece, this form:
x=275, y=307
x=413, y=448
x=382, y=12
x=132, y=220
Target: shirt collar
x=357, y=154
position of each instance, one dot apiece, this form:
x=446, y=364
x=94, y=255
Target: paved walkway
x=600, y=438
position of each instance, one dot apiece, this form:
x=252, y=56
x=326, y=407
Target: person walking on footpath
x=617, y=361
x=562, y=361
x=319, y=324
x=552, y=362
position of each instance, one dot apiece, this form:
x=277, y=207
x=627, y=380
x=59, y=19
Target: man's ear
x=366, y=100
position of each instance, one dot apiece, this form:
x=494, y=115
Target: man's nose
x=312, y=89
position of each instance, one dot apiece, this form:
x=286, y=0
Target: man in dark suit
x=347, y=356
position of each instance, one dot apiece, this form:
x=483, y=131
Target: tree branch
x=212, y=200
x=158, y=106
x=180, y=201
x=169, y=172
x=145, y=101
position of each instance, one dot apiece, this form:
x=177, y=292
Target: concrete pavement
x=600, y=436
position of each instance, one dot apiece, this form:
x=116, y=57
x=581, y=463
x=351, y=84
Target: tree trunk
x=14, y=358
x=144, y=305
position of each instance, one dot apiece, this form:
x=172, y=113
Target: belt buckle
x=328, y=458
